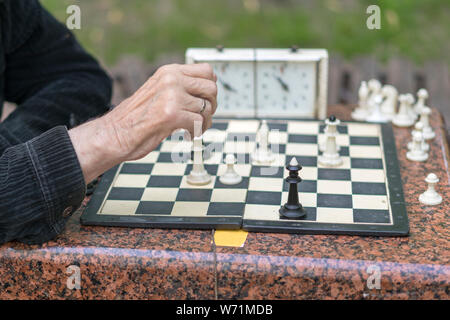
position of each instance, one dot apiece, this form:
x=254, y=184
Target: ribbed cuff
x=59, y=174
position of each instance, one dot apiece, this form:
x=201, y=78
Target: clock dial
x=286, y=88
x=235, y=88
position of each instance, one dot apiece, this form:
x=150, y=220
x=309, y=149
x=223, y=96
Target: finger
x=196, y=105
x=202, y=88
x=199, y=70
x=193, y=123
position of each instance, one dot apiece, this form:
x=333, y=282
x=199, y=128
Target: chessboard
x=363, y=196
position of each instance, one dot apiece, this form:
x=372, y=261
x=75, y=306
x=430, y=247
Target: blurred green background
x=415, y=29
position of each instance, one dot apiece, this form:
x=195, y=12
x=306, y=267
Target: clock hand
x=227, y=86
x=282, y=83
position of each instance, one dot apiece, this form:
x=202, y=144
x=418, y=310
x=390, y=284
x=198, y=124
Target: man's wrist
x=95, y=146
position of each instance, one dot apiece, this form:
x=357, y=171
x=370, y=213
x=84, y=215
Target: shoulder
x=18, y=19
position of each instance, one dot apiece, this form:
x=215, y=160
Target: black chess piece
x=293, y=209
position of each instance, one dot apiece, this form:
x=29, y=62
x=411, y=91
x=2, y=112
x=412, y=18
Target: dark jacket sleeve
x=52, y=79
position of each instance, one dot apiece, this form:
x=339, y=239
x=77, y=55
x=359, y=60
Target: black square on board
x=304, y=161
x=155, y=207
x=194, y=195
x=273, y=126
x=364, y=141
x=370, y=188
x=267, y=171
x=121, y=193
x=175, y=157
x=220, y=126
x=264, y=197
x=302, y=138
x=164, y=182
x=241, y=185
x=304, y=186
x=371, y=216
x=333, y=174
x=137, y=168
x=334, y=200
x=361, y=163
x=226, y=208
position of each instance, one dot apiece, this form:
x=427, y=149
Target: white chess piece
x=418, y=127
x=376, y=115
x=417, y=153
x=422, y=95
x=428, y=132
x=361, y=112
x=403, y=117
x=262, y=153
x=430, y=197
x=323, y=144
x=198, y=174
x=331, y=157
x=230, y=176
x=375, y=90
x=389, y=105
x=412, y=113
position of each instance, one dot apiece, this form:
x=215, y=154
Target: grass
x=416, y=29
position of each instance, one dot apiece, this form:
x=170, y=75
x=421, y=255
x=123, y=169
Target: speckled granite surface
x=123, y=263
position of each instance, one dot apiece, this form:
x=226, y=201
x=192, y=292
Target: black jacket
x=51, y=78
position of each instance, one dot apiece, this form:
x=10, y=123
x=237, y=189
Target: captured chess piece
x=263, y=154
x=428, y=132
x=361, y=112
x=403, y=117
x=389, y=105
x=430, y=197
x=330, y=157
x=230, y=176
x=292, y=209
x=422, y=95
x=376, y=115
x=198, y=174
x=417, y=153
x=418, y=127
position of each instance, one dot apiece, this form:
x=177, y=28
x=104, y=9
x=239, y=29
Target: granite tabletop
x=127, y=263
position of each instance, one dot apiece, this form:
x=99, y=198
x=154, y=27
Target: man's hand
x=171, y=99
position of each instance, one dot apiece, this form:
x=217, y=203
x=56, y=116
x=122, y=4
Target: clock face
x=235, y=88
x=286, y=88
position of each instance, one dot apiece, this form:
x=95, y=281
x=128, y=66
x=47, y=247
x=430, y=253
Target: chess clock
x=272, y=83
x=235, y=71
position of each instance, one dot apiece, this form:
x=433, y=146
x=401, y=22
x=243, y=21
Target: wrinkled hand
x=171, y=99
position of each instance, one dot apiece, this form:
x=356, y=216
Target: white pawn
x=230, y=176
x=262, y=153
x=376, y=115
x=389, y=105
x=416, y=153
x=428, y=132
x=403, y=117
x=422, y=95
x=330, y=157
x=323, y=145
x=430, y=197
x=411, y=111
x=361, y=112
x=198, y=174
x=418, y=127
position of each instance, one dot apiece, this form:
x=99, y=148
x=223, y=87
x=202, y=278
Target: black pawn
x=292, y=209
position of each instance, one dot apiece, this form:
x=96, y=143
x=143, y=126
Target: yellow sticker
x=230, y=238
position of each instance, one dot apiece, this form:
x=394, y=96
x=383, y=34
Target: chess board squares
x=302, y=138
x=241, y=136
x=131, y=180
x=136, y=168
x=334, y=215
x=303, y=127
x=278, y=137
x=334, y=174
x=170, y=146
x=369, y=188
x=307, y=199
x=342, y=128
x=185, y=185
x=229, y=195
x=214, y=135
x=277, y=126
x=241, y=185
x=265, y=184
x=226, y=209
x=363, y=129
x=190, y=209
x=155, y=208
x=365, y=152
x=263, y=198
x=239, y=147
x=346, y=163
x=169, y=169
x=372, y=202
x=304, y=186
x=119, y=207
x=364, y=141
x=243, y=126
x=159, y=194
x=371, y=216
x=174, y=157
x=220, y=126
x=362, y=163
x=164, y=181
x=368, y=175
x=267, y=171
x=334, y=187
x=125, y=193
x=302, y=149
x=304, y=161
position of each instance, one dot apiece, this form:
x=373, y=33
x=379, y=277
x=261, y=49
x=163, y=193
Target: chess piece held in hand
x=198, y=174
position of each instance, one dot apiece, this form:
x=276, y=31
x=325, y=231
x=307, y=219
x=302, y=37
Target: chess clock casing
x=235, y=70
x=291, y=83
x=268, y=83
